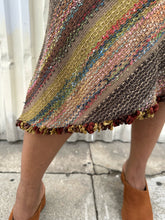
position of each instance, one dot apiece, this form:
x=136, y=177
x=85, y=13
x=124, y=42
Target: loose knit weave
x=102, y=64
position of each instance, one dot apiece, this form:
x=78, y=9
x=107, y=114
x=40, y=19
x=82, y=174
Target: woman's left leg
x=145, y=134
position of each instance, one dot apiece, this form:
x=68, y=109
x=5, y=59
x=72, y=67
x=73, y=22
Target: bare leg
x=145, y=134
x=38, y=152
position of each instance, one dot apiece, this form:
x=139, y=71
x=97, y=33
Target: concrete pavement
x=83, y=180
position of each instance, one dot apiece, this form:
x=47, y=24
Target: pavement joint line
x=112, y=173
x=93, y=188
x=94, y=198
x=90, y=152
x=99, y=165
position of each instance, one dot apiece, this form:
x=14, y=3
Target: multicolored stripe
x=90, y=50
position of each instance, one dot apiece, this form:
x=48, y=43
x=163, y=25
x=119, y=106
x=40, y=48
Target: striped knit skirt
x=102, y=64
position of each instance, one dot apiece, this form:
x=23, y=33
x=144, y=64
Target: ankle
x=29, y=185
x=27, y=200
x=135, y=175
x=27, y=191
x=135, y=181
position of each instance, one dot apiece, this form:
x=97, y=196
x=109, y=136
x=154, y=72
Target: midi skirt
x=102, y=64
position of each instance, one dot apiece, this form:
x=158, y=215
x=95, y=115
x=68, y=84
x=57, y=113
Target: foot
x=135, y=179
x=136, y=203
x=27, y=202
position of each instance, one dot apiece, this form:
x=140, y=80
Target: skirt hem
x=91, y=127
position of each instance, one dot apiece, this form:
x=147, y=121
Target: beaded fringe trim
x=92, y=127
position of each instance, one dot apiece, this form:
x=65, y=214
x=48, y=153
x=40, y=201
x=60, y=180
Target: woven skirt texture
x=102, y=64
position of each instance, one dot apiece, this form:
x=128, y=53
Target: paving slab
x=72, y=157
x=70, y=196
x=109, y=196
x=157, y=194
x=111, y=156
x=67, y=197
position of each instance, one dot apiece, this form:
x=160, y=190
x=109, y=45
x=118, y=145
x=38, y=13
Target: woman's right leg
x=37, y=153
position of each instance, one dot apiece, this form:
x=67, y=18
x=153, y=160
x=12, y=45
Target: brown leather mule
x=136, y=203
